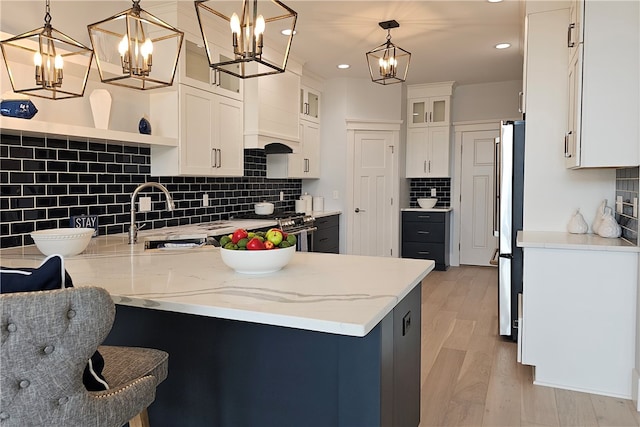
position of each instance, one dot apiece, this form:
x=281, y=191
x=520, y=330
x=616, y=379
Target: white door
x=373, y=181
x=477, y=243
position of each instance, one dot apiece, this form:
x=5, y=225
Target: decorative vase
x=577, y=224
x=144, y=126
x=100, y=100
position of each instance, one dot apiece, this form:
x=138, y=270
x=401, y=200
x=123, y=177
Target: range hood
x=277, y=148
x=263, y=140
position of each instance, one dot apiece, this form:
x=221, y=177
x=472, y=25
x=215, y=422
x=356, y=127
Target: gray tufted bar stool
x=46, y=339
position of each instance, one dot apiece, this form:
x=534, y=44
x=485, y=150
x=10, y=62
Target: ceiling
x=449, y=39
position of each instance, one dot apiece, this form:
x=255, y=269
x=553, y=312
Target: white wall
x=342, y=99
x=486, y=101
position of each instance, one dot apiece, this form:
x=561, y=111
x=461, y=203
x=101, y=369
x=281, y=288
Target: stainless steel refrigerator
x=509, y=182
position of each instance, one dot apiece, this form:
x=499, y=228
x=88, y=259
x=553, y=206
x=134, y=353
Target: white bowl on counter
x=62, y=241
x=257, y=262
x=427, y=203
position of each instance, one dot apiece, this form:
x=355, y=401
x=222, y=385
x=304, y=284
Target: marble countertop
x=339, y=294
x=427, y=210
x=561, y=240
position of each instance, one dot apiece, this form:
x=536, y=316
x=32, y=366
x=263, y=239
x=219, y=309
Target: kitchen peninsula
x=329, y=340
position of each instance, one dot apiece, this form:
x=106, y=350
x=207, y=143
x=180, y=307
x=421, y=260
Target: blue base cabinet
x=426, y=235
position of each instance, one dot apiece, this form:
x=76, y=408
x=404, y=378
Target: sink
x=169, y=241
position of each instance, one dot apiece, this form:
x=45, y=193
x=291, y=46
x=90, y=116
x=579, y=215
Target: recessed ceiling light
x=287, y=32
x=343, y=66
x=503, y=45
x=494, y=1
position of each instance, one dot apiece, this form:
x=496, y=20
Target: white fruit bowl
x=257, y=262
x=62, y=241
x=427, y=203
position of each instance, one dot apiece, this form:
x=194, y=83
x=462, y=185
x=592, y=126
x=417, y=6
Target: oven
x=300, y=225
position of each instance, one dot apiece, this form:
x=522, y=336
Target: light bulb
x=37, y=59
x=260, y=26
x=235, y=24
x=123, y=47
x=147, y=48
x=58, y=63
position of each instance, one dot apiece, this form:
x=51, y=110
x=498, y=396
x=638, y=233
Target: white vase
x=100, y=100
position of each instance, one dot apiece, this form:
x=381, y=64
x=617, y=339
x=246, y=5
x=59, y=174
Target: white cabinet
x=305, y=163
x=433, y=111
x=195, y=70
x=309, y=104
x=210, y=136
x=271, y=110
x=427, y=152
x=428, y=130
x=604, y=89
x=579, y=318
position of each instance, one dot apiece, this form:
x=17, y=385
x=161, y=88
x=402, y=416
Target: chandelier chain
x=47, y=15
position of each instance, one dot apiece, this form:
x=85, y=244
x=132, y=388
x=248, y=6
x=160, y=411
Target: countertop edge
x=563, y=240
x=426, y=210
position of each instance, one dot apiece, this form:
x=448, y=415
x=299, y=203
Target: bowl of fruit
x=257, y=252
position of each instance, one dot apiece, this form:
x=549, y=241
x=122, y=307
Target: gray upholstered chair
x=47, y=338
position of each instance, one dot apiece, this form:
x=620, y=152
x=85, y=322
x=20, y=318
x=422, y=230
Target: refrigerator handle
x=496, y=177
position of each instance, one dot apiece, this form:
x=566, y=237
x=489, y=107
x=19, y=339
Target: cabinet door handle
x=567, y=154
x=425, y=166
x=213, y=157
x=570, y=42
x=429, y=166
x=430, y=117
x=219, y=157
x=423, y=232
x=520, y=102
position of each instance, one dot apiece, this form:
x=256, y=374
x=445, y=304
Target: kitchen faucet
x=133, y=229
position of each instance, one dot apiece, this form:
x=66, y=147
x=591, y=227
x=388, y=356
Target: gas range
x=288, y=221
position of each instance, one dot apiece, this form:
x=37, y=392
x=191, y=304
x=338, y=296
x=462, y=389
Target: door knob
x=359, y=210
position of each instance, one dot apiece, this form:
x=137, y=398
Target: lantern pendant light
x=135, y=49
x=255, y=32
x=388, y=63
x=49, y=52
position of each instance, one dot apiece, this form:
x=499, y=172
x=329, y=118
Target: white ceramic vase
x=100, y=100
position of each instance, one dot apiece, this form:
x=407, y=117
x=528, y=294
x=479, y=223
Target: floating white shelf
x=11, y=125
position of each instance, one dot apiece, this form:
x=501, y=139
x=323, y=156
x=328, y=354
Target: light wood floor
x=470, y=376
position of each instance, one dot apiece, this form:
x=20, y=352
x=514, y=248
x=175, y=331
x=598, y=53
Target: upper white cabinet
x=433, y=111
x=428, y=130
x=210, y=134
x=271, y=110
x=604, y=90
x=195, y=70
x=309, y=104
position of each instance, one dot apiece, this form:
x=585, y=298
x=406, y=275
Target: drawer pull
x=424, y=232
x=424, y=216
x=423, y=253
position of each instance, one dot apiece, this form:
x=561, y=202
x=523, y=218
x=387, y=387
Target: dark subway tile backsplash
x=421, y=188
x=46, y=181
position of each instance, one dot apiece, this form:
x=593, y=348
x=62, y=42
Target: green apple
x=274, y=235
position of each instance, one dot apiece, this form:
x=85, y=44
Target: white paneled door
x=373, y=181
x=477, y=243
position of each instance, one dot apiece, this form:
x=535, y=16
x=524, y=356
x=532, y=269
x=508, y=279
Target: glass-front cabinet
x=432, y=111
x=195, y=71
x=309, y=104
